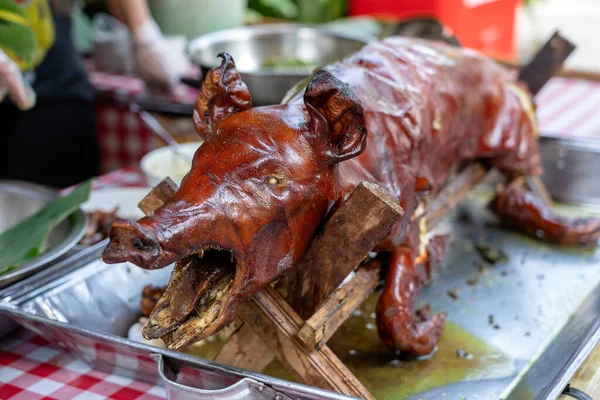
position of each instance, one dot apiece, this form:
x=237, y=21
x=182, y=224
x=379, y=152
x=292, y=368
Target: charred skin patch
x=193, y=298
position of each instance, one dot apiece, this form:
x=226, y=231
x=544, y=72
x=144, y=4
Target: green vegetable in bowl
x=24, y=241
x=289, y=64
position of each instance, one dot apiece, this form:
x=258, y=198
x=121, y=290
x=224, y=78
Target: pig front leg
x=400, y=326
x=520, y=209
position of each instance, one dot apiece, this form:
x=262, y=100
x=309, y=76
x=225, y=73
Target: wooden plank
x=245, y=350
x=587, y=378
x=158, y=196
x=546, y=62
x=363, y=220
x=593, y=76
x=317, y=330
x=452, y=193
x=277, y=325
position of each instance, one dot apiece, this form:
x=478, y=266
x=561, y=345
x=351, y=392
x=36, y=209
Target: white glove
x=153, y=62
x=12, y=82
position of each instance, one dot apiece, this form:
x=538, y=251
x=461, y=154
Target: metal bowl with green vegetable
x=273, y=57
x=37, y=226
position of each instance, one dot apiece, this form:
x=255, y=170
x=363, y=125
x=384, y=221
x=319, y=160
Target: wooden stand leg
x=245, y=349
x=277, y=324
x=454, y=192
x=319, y=328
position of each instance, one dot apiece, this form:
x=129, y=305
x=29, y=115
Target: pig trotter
x=412, y=332
x=521, y=209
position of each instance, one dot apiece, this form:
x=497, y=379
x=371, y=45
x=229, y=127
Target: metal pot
x=254, y=47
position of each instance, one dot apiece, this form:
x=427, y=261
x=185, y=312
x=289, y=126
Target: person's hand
x=151, y=52
x=13, y=84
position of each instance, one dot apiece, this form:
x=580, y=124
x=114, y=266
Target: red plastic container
x=484, y=25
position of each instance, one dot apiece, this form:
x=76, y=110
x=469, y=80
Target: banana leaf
x=15, y=36
x=24, y=241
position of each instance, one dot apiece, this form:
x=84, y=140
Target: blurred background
x=153, y=54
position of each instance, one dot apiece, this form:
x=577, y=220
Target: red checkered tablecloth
x=569, y=108
x=131, y=176
x=33, y=369
x=122, y=136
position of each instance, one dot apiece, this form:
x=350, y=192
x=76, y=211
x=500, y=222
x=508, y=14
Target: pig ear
x=223, y=94
x=335, y=111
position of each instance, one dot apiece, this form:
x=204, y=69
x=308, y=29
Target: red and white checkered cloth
x=122, y=136
x=33, y=369
x=569, y=108
x=126, y=177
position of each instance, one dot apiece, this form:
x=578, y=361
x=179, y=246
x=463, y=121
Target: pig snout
x=131, y=241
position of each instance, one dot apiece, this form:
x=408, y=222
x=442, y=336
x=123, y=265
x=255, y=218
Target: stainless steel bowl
x=19, y=200
x=570, y=169
x=254, y=46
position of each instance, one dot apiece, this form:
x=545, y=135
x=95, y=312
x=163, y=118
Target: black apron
x=55, y=142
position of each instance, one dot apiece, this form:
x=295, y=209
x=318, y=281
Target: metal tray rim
x=578, y=359
x=5, y=308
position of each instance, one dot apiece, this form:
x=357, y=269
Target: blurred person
x=47, y=112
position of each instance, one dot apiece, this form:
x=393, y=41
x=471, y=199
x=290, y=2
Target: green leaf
x=12, y=7
x=274, y=8
x=23, y=242
x=20, y=39
x=14, y=36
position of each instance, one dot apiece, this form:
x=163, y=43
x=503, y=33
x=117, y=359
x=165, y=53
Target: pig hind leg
x=400, y=326
x=519, y=156
x=520, y=209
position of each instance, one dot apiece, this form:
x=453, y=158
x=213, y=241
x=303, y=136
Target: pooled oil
x=460, y=357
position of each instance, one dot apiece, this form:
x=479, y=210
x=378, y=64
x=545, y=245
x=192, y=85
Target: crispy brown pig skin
x=264, y=179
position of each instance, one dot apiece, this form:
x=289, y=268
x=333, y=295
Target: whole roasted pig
x=399, y=113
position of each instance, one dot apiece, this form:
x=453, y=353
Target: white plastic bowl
x=161, y=163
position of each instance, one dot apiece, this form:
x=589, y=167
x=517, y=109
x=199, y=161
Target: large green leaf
x=14, y=36
x=23, y=242
x=12, y=7
x=17, y=38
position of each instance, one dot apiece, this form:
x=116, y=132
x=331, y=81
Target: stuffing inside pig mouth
x=194, y=304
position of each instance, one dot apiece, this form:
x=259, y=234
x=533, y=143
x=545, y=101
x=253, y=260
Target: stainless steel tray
x=544, y=303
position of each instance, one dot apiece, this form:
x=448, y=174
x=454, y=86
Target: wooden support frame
x=272, y=327
x=319, y=328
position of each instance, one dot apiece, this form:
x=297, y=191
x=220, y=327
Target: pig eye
x=275, y=180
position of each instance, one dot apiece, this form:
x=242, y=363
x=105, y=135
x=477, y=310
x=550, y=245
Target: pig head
x=259, y=187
